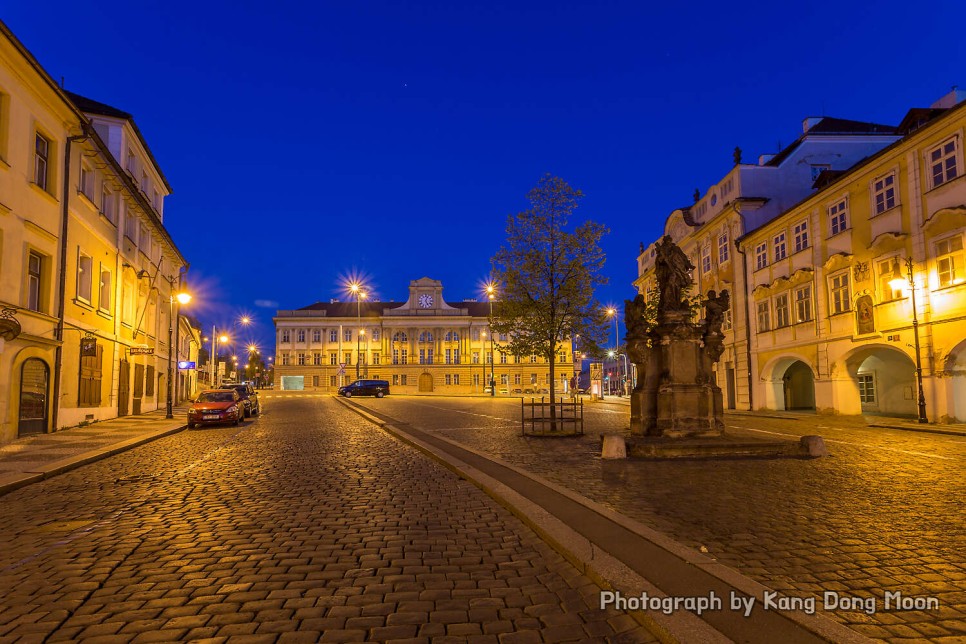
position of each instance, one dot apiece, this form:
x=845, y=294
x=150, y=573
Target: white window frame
x=840, y=293
x=782, y=317
x=724, y=253
x=86, y=182
x=316, y=335
x=942, y=162
x=803, y=303
x=85, y=277
x=950, y=268
x=286, y=335
x=41, y=161
x=884, y=193
x=300, y=335
x=763, y=311
x=108, y=204
x=105, y=289
x=887, y=268
x=706, y=260
x=761, y=255
x=866, y=384
x=838, y=217
x=800, y=235
x=779, y=246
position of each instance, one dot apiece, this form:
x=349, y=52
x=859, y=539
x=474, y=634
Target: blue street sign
x=185, y=364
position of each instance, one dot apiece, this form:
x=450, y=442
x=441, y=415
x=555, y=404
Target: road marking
x=833, y=440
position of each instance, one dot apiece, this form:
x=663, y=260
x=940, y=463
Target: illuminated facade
x=86, y=266
x=423, y=345
x=816, y=312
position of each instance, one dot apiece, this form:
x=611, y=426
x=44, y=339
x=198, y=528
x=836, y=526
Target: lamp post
x=182, y=298
x=612, y=311
x=356, y=289
x=490, y=290
x=897, y=282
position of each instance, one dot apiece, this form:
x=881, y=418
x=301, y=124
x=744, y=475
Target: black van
x=377, y=388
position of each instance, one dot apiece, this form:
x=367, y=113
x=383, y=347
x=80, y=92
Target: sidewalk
x=34, y=458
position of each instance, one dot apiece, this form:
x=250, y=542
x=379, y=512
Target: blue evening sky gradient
x=308, y=142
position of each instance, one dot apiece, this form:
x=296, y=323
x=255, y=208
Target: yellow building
x=422, y=345
x=86, y=267
x=832, y=329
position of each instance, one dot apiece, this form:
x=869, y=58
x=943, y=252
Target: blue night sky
x=309, y=142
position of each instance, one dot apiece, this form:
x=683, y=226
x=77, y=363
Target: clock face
x=425, y=301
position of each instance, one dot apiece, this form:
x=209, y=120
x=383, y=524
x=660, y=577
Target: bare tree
x=548, y=276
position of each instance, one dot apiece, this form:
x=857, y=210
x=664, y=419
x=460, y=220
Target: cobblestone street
x=883, y=513
x=307, y=524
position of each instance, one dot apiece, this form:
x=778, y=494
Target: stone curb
x=605, y=569
x=11, y=482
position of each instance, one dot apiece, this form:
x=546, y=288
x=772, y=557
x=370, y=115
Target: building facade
x=816, y=319
x=87, y=269
x=747, y=197
x=422, y=345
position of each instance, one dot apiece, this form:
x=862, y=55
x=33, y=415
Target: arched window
x=400, y=336
x=426, y=336
x=452, y=336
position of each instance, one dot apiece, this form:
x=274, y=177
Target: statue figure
x=737, y=155
x=634, y=316
x=714, y=311
x=673, y=270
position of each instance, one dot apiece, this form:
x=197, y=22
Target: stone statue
x=714, y=311
x=635, y=312
x=737, y=155
x=673, y=270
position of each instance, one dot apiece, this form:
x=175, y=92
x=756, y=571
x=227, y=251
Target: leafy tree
x=548, y=276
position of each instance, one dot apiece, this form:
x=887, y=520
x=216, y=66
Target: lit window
x=943, y=163
x=764, y=318
x=104, y=296
x=779, y=245
x=300, y=335
x=866, y=388
x=301, y=359
x=286, y=335
x=706, y=260
x=781, y=310
x=887, y=271
x=803, y=304
x=85, y=277
x=801, y=236
x=333, y=335
x=840, y=293
x=949, y=261
x=761, y=255
x=347, y=335
x=838, y=217
x=726, y=321
x=316, y=335
x=884, y=193
x=35, y=265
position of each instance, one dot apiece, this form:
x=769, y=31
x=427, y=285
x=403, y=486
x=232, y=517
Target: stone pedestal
x=677, y=397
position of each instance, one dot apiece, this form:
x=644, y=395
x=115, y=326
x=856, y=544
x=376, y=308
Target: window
x=395, y=356
x=840, y=293
x=400, y=337
x=949, y=261
x=104, y=295
x=405, y=358
x=706, y=260
x=109, y=205
x=476, y=357
x=803, y=304
x=801, y=236
x=316, y=335
x=884, y=193
x=533, y=359
x=315, y=381
x=85, y=277
x=504, y=337
x=87, y=182
x=726, y=323
x=317, y=358
x=301, y=360
x=286, y=335
x=866, y=388
x=943, y=163
x=41, y=160
x=375, y=335
x=347, y=335
x=426, y=336
x=449, y=356
x=449, y=379
x=502, y=357
x=723, y=250
x=456, y=379
x=781, y=311
x=144, y=240
x=838, y=217
x=395, y=378
x=130, y=226
x=778, y=242
x=347, y=357
x=300, y=335
x=887, y=270
x=333, y=358
x=333, y=335
x=35, y=266
x=764, y=319
x=475, y=335
x=131, y=163
x=516, y=379
x=761, y=255
x=375, y=357
x=332, y=381
x=285, y=359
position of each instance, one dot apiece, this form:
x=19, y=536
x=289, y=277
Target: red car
x=216, y=406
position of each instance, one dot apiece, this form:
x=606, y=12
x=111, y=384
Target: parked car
x=250, y=398
x=215, y=406
x=377, y=388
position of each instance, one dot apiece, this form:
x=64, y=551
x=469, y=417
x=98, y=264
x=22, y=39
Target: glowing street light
x=360, y=294
x=173, y=327
x=490, y=295
x=898, y=282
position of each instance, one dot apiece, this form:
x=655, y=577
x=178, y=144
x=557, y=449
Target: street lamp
x=612, y=312
x=356, y=289
x=897, y=282
x=614, y=354
x=490, y=294
x=173, y=317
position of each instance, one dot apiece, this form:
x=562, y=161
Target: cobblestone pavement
x=307, y=524
x=883, y=513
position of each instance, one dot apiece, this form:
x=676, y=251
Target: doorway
x=34, y=391
x=425, y=383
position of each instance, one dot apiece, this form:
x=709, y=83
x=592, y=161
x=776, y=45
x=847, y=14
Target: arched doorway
x=884, y=381
x=798, y=386
x=954, y=368
x=34, y=392
x=425, y=383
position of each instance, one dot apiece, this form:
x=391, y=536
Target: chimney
x=810, y=122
